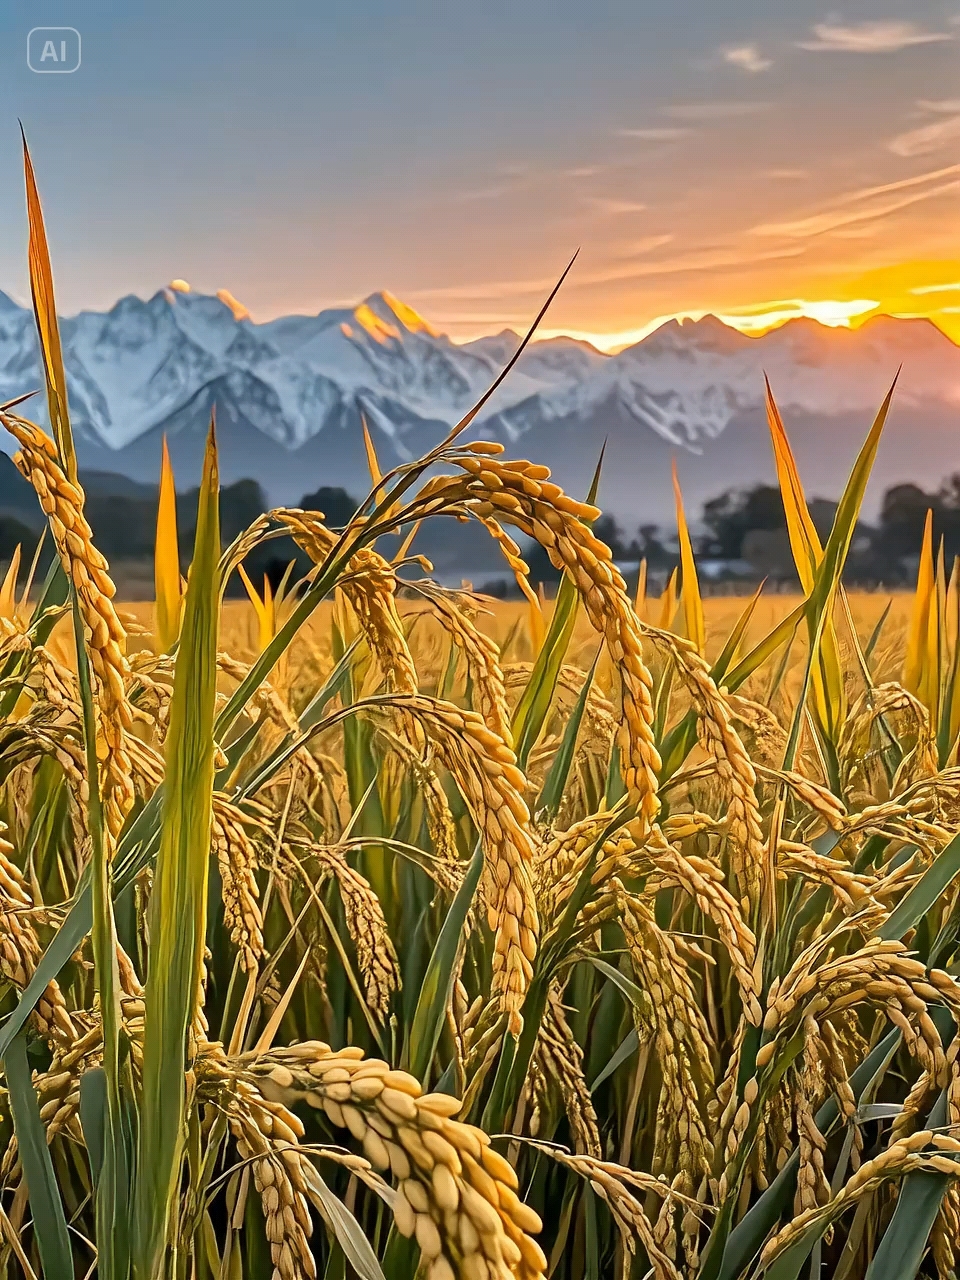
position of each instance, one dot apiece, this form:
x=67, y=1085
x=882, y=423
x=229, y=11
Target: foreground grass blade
x=45, y=312
x=534, y=703
x=49, y=1221
x=829, y=573
x=179, y=899
x=346, y=1229
x=828, y=689
x=925, y=893
x=904, y=1242
x=430, y=1015
x=556, y=779
x=166, y=559
x=693, y=620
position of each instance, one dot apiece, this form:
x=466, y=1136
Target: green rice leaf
x=49, y=1220
x=925, y=893
x=556, y=780
x=179, y=899
x=441, y=972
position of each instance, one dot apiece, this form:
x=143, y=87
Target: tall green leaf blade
x=533, y=707
x=935, y=881
x=441, y=972
x=179, y=899
x=747, y=1237
x=556, y=780
x=45, y=313
x=49, y=1220
x=903, y=1243
x=820, y=602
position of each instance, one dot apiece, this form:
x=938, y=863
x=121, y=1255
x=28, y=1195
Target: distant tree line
x=124, y=527
x=741, y=532
x=744, y=531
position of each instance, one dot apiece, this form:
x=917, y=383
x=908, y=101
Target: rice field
x=376, y=929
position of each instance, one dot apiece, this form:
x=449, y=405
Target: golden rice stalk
x=767, y=736
x=486, y=772
x=703, y=881
x=440, y=821
x=83, y=564
x=854, y=891
x=881, y=974
x=611, y=1182
x=266, y=700
x=237, y=861
x=682, y=1042
x=830, y=1052
x=20, y=949
x=480, y=653
x=905, y=718
x=370, y=584
x=521, y=494
x=562, y=857
x=813, y=1189
x=945, y=1235
x=456, y=1195
x=266, y=1134
x=821, y=801
x=899, y=1159
x=560, y=1061
x=733, y=766
x=363, y=913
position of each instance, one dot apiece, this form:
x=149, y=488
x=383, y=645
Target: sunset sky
x=754, y=158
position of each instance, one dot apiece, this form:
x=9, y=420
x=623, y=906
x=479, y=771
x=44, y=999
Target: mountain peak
x=392, y=311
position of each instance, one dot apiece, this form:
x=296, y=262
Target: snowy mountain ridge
x=295, y=385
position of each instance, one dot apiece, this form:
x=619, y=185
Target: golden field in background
x=508, y=623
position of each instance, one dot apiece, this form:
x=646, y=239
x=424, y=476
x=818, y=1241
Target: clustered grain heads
x=456, y=1196
x=733, y=766
x=86, y=568
x=485, y=770
x=20, y=948
x=369, y=583
x=481, y=655
x=520, y=493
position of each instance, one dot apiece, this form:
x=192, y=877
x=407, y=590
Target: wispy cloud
x=787, y=175
x=713, y=110
x=664, y=134
x=718, y=258
x=927, y=139
x=943, y=106
x=870, y=37
x=634, y=267
x=902, y=184
x=747, y=57
x=953, y=287
x=645, y=245
x=819, y=224
x=610, y=206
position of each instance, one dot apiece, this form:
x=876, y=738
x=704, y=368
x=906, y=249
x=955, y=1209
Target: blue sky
x=716, y=154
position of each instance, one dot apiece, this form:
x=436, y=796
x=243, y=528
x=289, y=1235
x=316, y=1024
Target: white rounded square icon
x=53, y=50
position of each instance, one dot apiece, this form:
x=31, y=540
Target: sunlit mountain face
x=289, y=394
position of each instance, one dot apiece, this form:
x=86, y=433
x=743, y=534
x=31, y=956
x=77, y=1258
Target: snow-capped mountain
x=289, y=394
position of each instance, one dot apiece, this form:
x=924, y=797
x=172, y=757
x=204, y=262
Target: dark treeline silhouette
x=741, y=533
